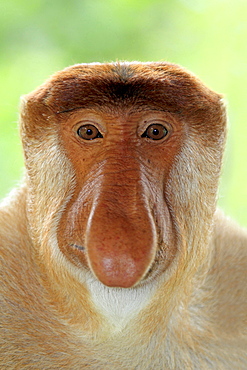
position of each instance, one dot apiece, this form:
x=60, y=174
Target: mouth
x=79, y=247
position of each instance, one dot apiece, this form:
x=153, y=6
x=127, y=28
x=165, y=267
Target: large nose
x=121, y=233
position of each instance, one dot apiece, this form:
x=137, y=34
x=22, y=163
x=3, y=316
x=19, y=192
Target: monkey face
x=122, y=177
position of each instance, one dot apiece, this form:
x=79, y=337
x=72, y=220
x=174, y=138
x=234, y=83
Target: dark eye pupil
x=89, y=132
x=155, y=131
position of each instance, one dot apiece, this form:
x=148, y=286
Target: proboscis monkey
x=113, y=254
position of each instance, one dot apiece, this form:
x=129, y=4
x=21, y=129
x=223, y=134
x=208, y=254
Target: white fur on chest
x=119, y=305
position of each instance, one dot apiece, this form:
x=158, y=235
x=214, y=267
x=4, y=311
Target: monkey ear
x=23, y=105
x=23, y=116
x=35, y=114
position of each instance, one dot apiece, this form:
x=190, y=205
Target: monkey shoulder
x=229, y=244
x=226, y=279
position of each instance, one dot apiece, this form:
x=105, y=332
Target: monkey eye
x=155, y=132
x=89, y=132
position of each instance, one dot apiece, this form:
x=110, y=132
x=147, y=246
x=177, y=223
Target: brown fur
x=113, y=255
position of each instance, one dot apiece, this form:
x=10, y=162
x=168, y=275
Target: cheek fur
x=49, y=192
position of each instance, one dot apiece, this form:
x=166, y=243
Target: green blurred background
x=209, y=37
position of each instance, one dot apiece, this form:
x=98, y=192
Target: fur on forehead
x=118, y=86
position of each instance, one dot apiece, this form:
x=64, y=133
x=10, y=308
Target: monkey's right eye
x=89, y=132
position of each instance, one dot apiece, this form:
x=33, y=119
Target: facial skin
x=118, y=221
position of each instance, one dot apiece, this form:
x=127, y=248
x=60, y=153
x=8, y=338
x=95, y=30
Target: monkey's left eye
x=89, y=132
x=155, y=132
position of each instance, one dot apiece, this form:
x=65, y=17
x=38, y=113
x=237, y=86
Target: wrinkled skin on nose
x=120, y=235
